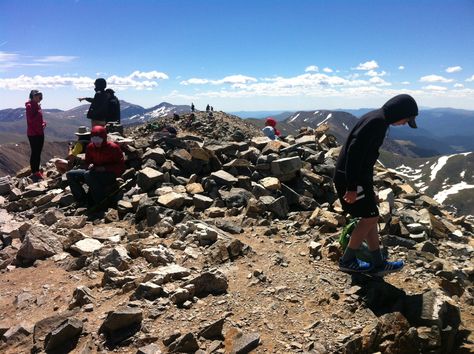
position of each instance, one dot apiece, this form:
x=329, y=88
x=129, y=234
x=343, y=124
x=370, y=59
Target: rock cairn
x=171, y=240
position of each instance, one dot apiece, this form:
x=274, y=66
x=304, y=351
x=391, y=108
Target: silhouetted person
x=192, y=107
x=98, y=110
x=113, y=107
x=208, y=108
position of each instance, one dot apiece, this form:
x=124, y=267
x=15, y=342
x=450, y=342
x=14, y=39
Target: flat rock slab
x=86, y=246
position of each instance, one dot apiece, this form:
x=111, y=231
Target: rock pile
x=170, y=242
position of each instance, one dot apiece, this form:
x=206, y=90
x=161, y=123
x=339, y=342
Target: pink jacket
x=34, y=119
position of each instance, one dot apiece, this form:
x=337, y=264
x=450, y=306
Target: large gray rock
x=148, y=178
x=245, y=343
x=184, y=344
x=86, y=246
x=121, y=324
x=286, y=166
x=201, y=202
x=159, y=255
x=223, y=177
x=64, y=337
x=157, y=154
x=81, y=296
x=39, y=243
x=117, y=257
x=209, y=283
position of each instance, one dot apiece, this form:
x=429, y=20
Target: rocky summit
x=222, y=241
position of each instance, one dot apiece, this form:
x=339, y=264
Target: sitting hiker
x=105, y=163
x=72, y=160
x=270, y=131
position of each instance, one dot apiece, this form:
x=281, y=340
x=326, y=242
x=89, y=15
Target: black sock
x=349, y=255
x=377, y=257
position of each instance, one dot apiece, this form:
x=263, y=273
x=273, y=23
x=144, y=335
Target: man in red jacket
x=105, y=163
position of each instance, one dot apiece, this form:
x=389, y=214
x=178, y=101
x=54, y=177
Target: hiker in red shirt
x=105, y=163
x=35, y=132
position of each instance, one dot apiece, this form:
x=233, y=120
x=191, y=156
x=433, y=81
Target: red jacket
x=34, y=119
x=108, y=155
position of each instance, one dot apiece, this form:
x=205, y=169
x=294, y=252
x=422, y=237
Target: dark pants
x=99, y=184
x=36, y=144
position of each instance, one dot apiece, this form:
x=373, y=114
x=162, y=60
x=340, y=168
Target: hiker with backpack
x=113, y=112
x=99, y=108
x=353, y=180
x=105, y=163
x=270, y=129
x=35, y=132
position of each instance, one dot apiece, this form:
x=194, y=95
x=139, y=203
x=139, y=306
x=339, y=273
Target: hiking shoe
x=387, y=268
x=354, y=266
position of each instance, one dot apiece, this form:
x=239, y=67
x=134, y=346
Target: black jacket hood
x=399, y=107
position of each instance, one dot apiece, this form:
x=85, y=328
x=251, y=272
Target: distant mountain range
x=440, y=131
x=62, y=124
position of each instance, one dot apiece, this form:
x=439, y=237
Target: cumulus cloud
x=458, y=85
x=471, y=79
x=368, y=65
x=375, y=73
x=137, y=80
x=401, y=67
x=434, y=88
x=435, y=78
x=327, y=70
x=406, y=82
x=311, y=68
x=453, y=69
x=231, y=79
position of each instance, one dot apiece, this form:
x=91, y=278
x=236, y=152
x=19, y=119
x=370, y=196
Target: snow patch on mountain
x=325, y=120
x=437, y=166
x=292, y=119
x=441, y=196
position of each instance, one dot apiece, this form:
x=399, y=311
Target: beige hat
x=82, y=131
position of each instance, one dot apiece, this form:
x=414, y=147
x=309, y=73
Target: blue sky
x=239, y=55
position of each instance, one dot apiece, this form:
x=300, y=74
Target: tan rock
x=270, y=183
x=194, y=188
x=171, y=200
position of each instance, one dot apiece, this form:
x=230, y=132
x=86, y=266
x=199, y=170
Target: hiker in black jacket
x=353, y=179
x=98, y=110
x=113, y=107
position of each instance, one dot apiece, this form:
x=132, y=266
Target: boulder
x=39, y=243
x=223, y=177
x=117, y=257
x=64, y=337
x=157, y=154
x=86, y=246
x=286, y=166
x=270, y=183
x=148, y=178
x=201, y=202
x=171, y=200
x=121, y=324
x=159, y=255
x=214, y=283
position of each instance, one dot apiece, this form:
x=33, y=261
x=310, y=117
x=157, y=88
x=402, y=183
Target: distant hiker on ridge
x=208, y=108
x=270, y=129
x=192, y=107
x=353, y=179
x=35, y=131
x=98, y=110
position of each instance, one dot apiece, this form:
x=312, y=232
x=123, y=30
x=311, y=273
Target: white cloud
x=311, y=68
x=406, y=82
x=375, y=73
x=453, y=69
x=435, y=78
x=434, y=88
x=458, y=85
x=401, y=67
x=134, y=80
x=327, y=70
x=378, y=81
x=471, y=79
x=231, y=79
x=55, y=59
x=7, y=57
x=368, y=65
x=149, y=75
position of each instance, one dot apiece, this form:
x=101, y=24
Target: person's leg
x=35, y=145
x=363, y=231
x=40, y=150
x=75, y=179
x=98, y=182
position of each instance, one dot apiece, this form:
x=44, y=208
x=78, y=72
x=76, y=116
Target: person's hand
x=100, y=168
x=44, y=125
x=350, y=197
x=80, y=99
x=90, y=167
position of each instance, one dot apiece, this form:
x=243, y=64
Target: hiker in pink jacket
x=35, y=132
